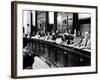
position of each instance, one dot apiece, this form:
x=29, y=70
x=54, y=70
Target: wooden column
x=36, y=27
x=31, y=25
x=75, y=22
x=47, y=21
x=55, y=21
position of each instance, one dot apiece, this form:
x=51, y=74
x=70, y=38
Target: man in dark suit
x=28, y=58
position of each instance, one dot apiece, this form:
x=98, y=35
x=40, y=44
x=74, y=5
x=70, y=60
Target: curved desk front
x=57, y=55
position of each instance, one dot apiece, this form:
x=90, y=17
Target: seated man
x=42, y=36
x=37, y=36
x=86, y=42
x=50, y=38
x=70, y=39
x=47, y=36
x=77, y=40
x=28, y=58
x=59, y=40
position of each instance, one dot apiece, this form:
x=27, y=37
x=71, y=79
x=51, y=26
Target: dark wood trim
x=13, y=40
x=96, y=39
x=54, y=4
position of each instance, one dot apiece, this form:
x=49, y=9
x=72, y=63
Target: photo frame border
x=14, y=37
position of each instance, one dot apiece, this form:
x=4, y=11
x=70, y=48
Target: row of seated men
x=81, y=41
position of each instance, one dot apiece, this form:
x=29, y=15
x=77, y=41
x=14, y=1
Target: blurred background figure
x=37, y=36
x=86, y=41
